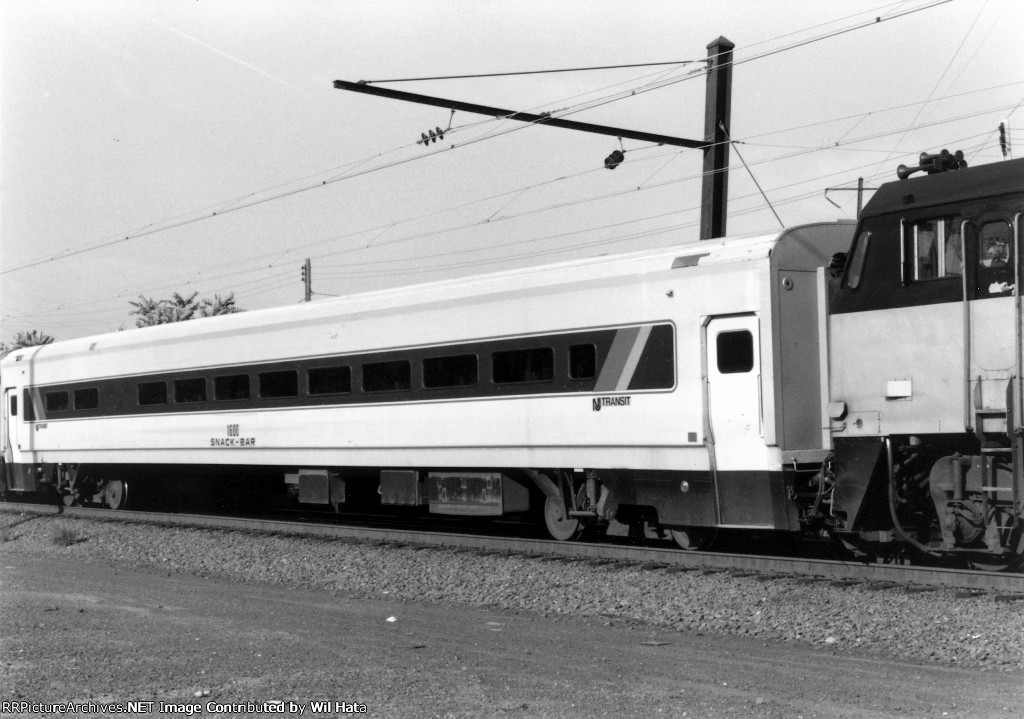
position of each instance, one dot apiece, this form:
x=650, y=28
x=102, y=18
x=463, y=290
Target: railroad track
x=1007, y=586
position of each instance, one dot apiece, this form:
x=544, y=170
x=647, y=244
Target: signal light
x=614, y=160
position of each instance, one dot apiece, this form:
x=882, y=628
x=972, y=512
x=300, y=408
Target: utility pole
x=859, y=190
x=307, y=279
x=717, y=109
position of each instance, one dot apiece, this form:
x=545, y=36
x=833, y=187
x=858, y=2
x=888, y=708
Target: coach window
x=392, y=376
x=29, y=413
x=190, y=390
x=231, y=387
x=455, y=371
x=151, y=393
x=329, y=380
x=284, y=383
x=530, y=365
x=87, y=398
x=582, y=362
x=56, y=401
x=735, y=352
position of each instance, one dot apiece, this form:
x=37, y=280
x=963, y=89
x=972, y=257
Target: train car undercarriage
x=941, y=495
x=569, y=504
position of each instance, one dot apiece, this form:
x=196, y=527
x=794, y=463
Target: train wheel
x=559, y=526
x=115, y=494
x=693, y=539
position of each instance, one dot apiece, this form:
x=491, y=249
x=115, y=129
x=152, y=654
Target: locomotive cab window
x=56, y=401
x=735, y=351
x=455, y=371
x=995, y=275
x=14, y=405
x=994, y=248
x=232, y=387
x=151, y=393
x=935, y=249
x=527, y=365
x=582, y=361
x=860, y=253
x=190, y=390
x=87, y=398
x=329, y=380
x=387, y=376
x=284, y=383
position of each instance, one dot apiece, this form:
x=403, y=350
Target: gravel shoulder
x=158, y=614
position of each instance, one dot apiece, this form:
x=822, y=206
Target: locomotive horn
x=939, y=162
x=903, y=172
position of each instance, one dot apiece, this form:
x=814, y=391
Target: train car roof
x=997, y=178
x=731, y=250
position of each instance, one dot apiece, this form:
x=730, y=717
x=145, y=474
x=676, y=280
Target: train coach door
x=732, y=396
x=8, y=424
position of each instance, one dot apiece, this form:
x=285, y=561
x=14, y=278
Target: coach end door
x=734, y=429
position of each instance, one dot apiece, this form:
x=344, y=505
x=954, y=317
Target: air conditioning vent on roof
x=688, y=260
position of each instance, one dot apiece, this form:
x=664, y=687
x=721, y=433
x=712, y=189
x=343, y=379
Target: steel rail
x=824, y=569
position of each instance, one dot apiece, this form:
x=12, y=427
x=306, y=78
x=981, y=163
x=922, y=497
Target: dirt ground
x=74, y=632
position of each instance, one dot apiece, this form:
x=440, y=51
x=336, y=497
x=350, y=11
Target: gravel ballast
x=934, y=626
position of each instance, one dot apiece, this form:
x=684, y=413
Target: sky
x=149, y=147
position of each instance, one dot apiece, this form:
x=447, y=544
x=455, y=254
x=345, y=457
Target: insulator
x=440, y=134
x=614, y=160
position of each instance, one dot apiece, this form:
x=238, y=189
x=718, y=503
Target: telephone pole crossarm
x=520, y=116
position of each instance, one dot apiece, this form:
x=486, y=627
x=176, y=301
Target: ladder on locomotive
x=1012, y=413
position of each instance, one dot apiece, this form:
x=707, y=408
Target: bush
x=64, y=535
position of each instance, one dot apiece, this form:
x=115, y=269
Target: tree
x=31, y=338
x=219, y=306
x=151, y=312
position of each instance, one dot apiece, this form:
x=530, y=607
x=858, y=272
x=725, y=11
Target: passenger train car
x=862, y=381
x=676, y=390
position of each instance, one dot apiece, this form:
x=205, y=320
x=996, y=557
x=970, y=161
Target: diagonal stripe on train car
x=622, y=359
x=634, y=358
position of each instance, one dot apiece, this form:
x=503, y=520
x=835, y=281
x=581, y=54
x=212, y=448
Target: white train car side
x=676, y=387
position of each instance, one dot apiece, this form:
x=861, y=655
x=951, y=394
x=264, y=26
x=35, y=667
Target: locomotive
x=855, y=379
x=924, y=360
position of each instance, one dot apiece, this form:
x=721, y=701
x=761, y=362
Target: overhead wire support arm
x=519, y=116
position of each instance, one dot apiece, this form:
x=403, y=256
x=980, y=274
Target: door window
x=735, y=350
